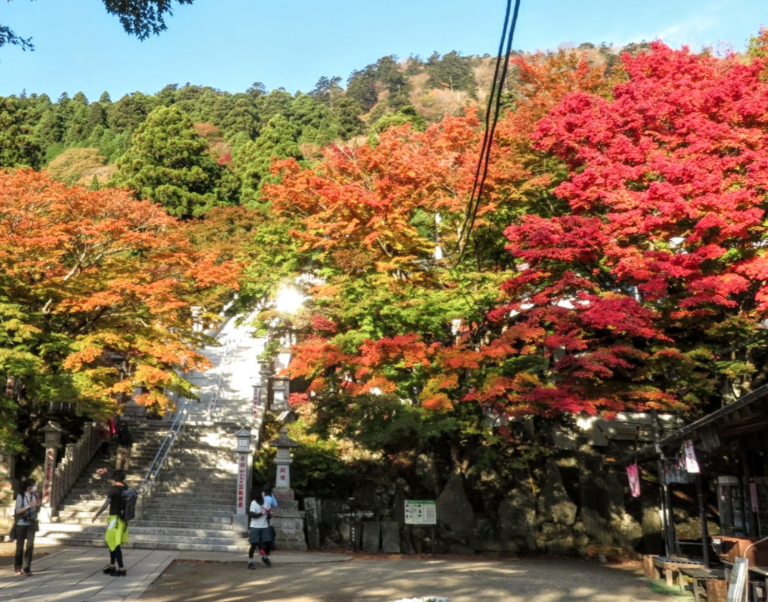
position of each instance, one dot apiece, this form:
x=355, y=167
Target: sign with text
x=420, y=512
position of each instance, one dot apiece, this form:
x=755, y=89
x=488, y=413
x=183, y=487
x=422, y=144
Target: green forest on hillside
x=229, y=140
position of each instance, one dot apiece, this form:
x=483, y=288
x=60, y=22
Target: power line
x=491, y=119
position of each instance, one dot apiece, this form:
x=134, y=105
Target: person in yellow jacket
x=117, y=529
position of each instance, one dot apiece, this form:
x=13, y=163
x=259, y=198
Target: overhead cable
x=491, y=119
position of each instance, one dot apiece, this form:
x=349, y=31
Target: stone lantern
x=244, y=469
x=52, y=442
x=287, y=519
x=283, y=460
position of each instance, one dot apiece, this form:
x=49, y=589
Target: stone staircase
x=191, y=508
x=193, y=502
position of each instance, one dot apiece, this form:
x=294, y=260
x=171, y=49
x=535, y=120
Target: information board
x=420, y=512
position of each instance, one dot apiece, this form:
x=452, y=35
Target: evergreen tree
x=451, y=71
x=391, y=76
x=347, y=114
x=252, y=161
x=361, y=87
x=314, y=121
x=129, y=112
x=169, y=163
x=17, y=145
x=327, y=90
x=277, y=102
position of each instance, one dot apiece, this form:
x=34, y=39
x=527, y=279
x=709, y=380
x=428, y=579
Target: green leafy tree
x=169, y=163
x=405, y=115
x=141, y=18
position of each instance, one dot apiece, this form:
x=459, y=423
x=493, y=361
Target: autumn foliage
x=618, y=255
x=100, y=294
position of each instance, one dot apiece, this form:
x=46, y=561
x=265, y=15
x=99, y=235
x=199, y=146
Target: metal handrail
x=165, y=448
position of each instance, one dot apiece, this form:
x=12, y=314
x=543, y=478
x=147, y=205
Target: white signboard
x=420, y=512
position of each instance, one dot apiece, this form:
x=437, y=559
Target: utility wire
x=491, y=119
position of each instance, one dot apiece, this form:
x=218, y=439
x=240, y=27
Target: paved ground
x=386, y=580
x=74, y=574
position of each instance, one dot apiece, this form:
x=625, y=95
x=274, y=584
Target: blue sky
x=229, y=44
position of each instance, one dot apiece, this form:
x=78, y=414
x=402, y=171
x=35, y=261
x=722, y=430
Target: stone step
x=188, y=507
x=136, y=529
x=186, y=547
x=143, y=538
x=209, y=523
x=172, y=515
x=208, y=499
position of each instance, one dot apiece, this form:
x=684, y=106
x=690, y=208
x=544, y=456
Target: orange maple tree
x=100, y=294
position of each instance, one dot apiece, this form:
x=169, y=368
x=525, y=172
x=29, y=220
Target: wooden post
x=663, y=489
x=703, y=518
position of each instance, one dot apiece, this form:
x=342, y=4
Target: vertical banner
x=241, y=483
x=633, y=474
x=691, y=463
x=50, y=465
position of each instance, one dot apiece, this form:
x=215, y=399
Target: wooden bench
x=701, y=578
x=671, y=567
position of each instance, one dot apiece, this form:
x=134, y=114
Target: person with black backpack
x=121, y=501
x=124, y=445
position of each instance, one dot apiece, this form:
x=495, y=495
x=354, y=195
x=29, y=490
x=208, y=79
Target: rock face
x=454, y=512
x=390, y=537
x=312, y=520
x=517, y=514
x=562, y=505
x=554, y=504
x=371, y=537
x=426, y=472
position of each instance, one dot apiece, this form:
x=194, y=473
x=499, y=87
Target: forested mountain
x=228, y=140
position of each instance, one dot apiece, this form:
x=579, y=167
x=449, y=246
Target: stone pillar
x=287, y=520
x=49, y=470
x=244, y=469
x=8, y=486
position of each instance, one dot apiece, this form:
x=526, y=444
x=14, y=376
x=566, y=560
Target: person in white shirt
x=27, y=507
x=260, y=533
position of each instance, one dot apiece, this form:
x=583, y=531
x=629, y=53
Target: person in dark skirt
x=260, y=534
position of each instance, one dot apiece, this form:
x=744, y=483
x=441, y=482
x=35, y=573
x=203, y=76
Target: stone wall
x=569, y=504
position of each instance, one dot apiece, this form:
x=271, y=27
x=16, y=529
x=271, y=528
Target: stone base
x=289, y=528
x=240, y=522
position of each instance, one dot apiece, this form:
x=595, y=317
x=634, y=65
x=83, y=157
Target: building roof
x=732, y=419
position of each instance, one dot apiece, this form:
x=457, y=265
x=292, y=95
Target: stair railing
x=164, y=450
x=76, y=457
